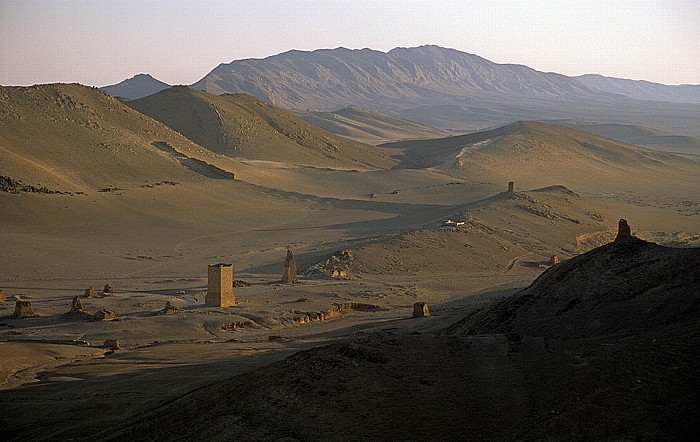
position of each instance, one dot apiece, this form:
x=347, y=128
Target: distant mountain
x=438, y=87
x=329, y=78
x=246, y=127
x=643, y=90
x=369, y=126
x=138, y=86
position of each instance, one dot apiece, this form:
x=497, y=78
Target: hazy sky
x=98, y=42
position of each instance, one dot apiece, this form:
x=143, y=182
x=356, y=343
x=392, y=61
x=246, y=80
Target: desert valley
x=455, y=229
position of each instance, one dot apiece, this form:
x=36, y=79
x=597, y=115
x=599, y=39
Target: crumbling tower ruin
x=220, y=288
x=623, y=231
x=290, y=269
x=511, y=186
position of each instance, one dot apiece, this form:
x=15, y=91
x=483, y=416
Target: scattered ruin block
x=108, y=289
x=623, y=231
x=104, y=315
x=112, y=344
x=290, y=269
x=90, y=292
x=170, y=309
x=554, y=260
x=511, y=186
x=77, y=305
x=23, y=309
x=220, y=286
x=420, y=310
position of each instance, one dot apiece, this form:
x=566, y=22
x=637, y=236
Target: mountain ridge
x=439, y=87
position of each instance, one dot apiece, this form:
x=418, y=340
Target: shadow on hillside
x=193, y=164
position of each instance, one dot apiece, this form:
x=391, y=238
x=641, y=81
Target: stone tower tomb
x=220, y=289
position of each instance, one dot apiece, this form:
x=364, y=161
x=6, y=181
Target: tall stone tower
x=220, y=289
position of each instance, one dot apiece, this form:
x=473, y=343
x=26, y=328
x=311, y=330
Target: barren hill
x=138, y=86
x=243, y=126
x=70, y=137
x=538, y=154
x=642, y=136
x=90, y=184
x=370, y=126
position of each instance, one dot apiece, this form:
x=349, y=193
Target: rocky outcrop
x=104, y=315
x=90, y=292
x=108, y=289
x=554, y=260
x=23, y=309
x=3, y=298
x=420, y=310
x=625, y=286
x=290, y=269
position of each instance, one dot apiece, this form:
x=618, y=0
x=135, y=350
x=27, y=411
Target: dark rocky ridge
x=624, y=287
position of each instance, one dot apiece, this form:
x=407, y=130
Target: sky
x=97, y=43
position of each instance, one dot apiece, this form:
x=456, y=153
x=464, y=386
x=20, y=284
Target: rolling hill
x=246, y=127
x=642, y=136
x=70, y=137
x=539, y=154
